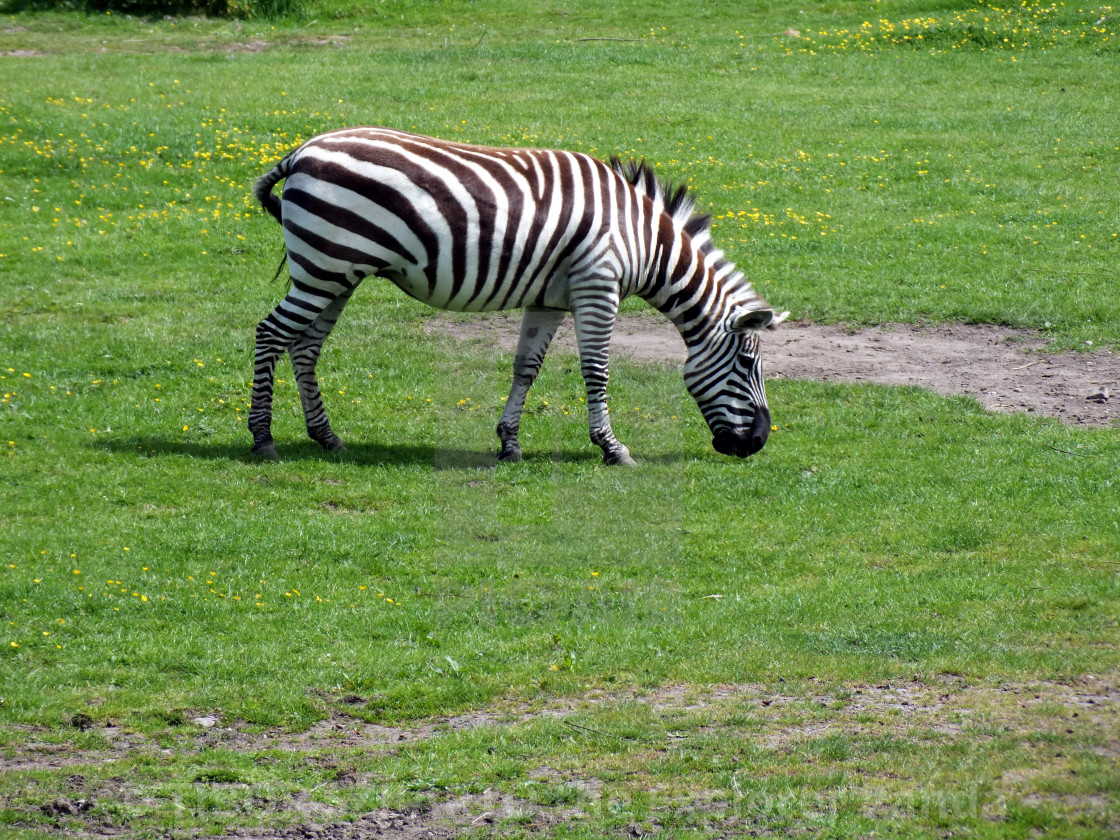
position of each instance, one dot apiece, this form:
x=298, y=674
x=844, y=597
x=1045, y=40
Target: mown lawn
x=900, y=617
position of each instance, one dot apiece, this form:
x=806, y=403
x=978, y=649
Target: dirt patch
x=443, y=820
x=332, y=41
x=1053, y=722
x=944, y=706
x=1004, y=369
x=344, y=730
x=255, y=46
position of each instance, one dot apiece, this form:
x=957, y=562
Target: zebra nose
x=744, y=442
x=760, y=430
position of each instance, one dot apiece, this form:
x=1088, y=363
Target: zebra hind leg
x=276, y=334
x=272, y=341
x=538, y=326
x=304, y=352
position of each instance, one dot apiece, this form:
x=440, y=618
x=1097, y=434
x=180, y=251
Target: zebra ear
x=751, y=319
x=777, y=319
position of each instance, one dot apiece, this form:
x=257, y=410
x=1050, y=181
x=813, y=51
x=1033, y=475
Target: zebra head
x=724, y=375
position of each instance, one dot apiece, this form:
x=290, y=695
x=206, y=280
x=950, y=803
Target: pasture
x=898, y=619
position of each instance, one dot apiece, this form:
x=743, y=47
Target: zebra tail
x=262, y=189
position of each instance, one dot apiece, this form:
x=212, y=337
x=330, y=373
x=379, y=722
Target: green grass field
x=897, y=620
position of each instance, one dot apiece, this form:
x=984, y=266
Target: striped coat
x=472, y=229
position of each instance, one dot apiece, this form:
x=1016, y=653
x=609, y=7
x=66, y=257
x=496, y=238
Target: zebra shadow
x=363, y=453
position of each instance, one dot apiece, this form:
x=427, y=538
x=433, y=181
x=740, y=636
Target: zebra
x=471, y=229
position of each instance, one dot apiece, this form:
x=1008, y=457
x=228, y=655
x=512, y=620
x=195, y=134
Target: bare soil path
x=1005, y=369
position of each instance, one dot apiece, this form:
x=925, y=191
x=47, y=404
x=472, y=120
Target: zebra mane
x=681, y=207
x=675, y=200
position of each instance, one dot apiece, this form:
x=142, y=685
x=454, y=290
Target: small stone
x=1100, y=396
x=205, y=722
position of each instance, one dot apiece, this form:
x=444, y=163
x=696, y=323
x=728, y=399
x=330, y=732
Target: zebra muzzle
x=744, y=442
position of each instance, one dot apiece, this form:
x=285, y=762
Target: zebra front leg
x=594, y=311
x=304, y=352
x=538, y=326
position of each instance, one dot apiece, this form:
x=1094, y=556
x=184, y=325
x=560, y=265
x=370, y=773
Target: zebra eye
x=749, y=347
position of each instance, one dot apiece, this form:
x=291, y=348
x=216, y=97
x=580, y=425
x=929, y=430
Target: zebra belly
x=553, y=294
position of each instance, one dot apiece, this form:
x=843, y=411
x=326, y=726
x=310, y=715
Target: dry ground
x=1005, y=369
x=938, y=712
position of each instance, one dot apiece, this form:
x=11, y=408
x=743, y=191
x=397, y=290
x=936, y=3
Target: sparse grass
x=909, y=759
x=152, y=573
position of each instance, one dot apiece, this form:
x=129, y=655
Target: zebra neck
x=689, y=313
x=680, y=286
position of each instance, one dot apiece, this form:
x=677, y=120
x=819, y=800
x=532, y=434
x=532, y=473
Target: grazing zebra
x=473, y=229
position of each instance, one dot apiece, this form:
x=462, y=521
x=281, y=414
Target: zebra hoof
x=328, y=440
x=619, y=459
x=265, y=449
x=510, y=455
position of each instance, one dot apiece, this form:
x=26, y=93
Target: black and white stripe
x=472, y=229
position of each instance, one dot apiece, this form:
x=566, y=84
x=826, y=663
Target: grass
x=152, y=573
